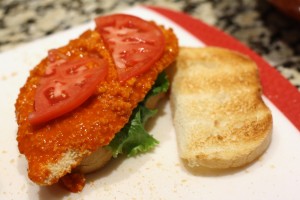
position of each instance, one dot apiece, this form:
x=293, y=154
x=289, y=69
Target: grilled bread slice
x=219, y=116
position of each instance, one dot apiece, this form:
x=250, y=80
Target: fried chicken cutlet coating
x=89, y=126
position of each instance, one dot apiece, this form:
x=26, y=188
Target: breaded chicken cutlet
x=56, y=146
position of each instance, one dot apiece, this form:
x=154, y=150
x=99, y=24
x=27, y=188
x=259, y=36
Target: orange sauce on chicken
x=91, y=125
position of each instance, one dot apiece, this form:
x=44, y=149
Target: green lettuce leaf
x=133, y=138
x=161, y=85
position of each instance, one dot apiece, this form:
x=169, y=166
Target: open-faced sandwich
x=88, y=99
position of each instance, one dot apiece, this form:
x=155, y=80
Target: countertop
x=256, y=23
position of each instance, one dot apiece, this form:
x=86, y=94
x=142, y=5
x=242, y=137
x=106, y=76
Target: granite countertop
x=255, y=23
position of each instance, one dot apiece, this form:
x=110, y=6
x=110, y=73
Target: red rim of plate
x=276, y=88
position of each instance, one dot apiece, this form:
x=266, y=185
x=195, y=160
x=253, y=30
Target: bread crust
x=219, y=116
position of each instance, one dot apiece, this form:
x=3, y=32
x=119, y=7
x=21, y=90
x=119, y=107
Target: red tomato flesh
x=134, y=44
x=66, y=84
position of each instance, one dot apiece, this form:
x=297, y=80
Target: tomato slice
x=66, y=84
x=135, y=44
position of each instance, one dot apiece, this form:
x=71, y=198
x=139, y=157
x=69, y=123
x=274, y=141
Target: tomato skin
x=135, y=44
x=65, y=85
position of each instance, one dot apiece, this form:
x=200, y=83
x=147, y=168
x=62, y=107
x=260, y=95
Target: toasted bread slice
x=220, y=118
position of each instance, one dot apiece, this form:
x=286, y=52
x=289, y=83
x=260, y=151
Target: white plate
x=156, y=175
